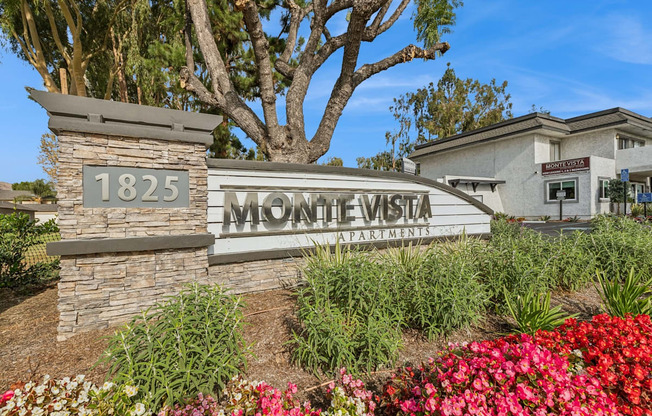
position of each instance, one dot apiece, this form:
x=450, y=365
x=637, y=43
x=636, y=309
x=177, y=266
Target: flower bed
x=614, y=350
x=506, y=376
x=602, y=367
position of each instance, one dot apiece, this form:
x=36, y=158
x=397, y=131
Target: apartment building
x=518, y=166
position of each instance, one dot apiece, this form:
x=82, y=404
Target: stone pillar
x=132, y=190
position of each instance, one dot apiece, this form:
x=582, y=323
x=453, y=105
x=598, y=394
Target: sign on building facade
x=566, y=166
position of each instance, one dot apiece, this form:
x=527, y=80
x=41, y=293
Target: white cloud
x=626, y=39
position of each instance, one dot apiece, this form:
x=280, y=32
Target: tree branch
x=406, y=54
x=263, y=63
x=55, y=32
x=297, y=14
x=373, y=31
x=219, y=75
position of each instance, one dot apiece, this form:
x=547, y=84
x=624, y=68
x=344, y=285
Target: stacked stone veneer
x=100, y=290
x=256, y=276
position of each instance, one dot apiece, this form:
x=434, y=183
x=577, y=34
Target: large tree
x=299, y=59
x=454, y=105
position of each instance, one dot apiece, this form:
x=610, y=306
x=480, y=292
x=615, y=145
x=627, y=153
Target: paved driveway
x=554, y=228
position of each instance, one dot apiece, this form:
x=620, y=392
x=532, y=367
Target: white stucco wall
x=518, y=160
x=600, y=143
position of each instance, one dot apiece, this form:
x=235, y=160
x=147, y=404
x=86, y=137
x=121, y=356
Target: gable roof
x=10, y=195
x=536, y=121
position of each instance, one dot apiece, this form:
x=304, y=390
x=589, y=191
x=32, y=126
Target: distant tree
x=41, y=189
x=334, y=161
x=541, y=110
x=381, y=161
x=49, y=155
x=454, y=106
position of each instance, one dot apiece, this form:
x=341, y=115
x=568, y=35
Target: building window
x=555, y=151
x=603, y=184
x=570, y=186
x=627, y=143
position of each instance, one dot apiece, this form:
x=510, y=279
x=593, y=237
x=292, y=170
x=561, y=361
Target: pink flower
x=6, y=396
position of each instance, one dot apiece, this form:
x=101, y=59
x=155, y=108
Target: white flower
x=22, y=412
x=40, y=389
x=37, y=411
x=80, y=378
x=131, y=391
x=57, y=406
x=139, y=409
x=29, y=386
x=40, y=400
x=46, y=378
x=107, y=386
x=55, y=390
x=237, y=396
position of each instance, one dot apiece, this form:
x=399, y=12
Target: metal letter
x=232, y=206
x=344, y=207
x=423, y=207
x=370, y=210
x=286, y=208
x=301, y=207
x=395, y=210
x=410, y=205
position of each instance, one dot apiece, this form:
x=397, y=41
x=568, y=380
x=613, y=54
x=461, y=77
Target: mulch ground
x=29, y=349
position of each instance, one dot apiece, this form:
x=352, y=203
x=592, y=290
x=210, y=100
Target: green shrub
x=532, y=312
x=355, y=304
x=17, y=235
x=633, y=296
x=571, y=261
x=518, y=262
x=346, y=314
x=439, y=289
x=620, y=243
x=191, y=343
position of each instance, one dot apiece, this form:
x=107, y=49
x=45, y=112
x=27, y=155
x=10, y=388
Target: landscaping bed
x=462, y=327
x=31, y=351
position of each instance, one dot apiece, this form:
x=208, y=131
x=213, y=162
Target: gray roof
x=18, y=207
x=30, y=207
x=10, y=195
x=536, y=121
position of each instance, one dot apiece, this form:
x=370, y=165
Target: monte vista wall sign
x=262, y=207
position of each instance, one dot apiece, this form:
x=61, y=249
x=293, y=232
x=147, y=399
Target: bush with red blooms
x=508, y=376
x=617, y=351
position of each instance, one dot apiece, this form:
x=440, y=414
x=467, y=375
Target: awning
x=475, y=182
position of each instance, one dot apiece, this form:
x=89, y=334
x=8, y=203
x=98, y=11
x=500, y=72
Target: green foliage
x=517, y=260
x=346, y=314
x=41, y=189
x=17, y=235
x=334, y=161
x=191, y=343
x=620, y=244
x=632, y=296
x=453, y=106
x=637, y=210
x=616, y=190
x=440, y=290
x=544, y=218
x=532, y=312
x=355, y=304
x=433, y=18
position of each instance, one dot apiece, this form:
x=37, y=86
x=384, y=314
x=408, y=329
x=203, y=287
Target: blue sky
x=571, y=57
